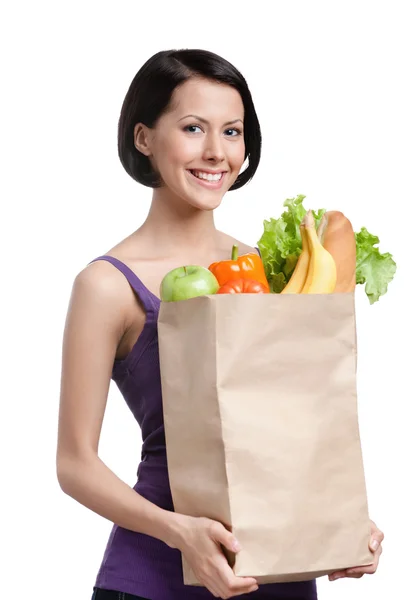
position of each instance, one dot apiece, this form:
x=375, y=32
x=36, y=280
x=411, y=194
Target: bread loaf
x=337, y=236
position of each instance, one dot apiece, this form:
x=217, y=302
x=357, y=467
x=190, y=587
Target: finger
x=377, y=554
x=375, y=542
x=376, y=538
x=238, y=586
x=231, y=585
x=368, y=570
x=337, y=575
x=225, y=537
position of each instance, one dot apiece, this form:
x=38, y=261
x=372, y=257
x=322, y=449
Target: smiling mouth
x=207, y=177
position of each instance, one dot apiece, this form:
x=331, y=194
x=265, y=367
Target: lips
x=212, y=184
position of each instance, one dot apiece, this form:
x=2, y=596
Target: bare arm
x=94, y=327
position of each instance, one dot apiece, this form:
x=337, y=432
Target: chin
x=204, y=201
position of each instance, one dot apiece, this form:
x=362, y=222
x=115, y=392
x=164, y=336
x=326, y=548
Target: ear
x=142, y=139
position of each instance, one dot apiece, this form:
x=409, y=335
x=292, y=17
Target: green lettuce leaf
x=372, y=267
x=280, y=246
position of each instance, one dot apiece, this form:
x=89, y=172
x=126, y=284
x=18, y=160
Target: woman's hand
x=200, y=541
x=375, y=546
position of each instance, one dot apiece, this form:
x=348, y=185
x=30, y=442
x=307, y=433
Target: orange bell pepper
x=247, y=266
x=243, y=286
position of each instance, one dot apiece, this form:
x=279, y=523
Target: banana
x=299, y=275
x=322, y=275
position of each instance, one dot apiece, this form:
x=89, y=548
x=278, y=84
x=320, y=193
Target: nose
x=213, y=149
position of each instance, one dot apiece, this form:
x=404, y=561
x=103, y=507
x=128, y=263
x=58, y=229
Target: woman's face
x=198, y=145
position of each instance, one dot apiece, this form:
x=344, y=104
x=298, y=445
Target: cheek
x=187, y=150
x=237, y=155
x=178, y=150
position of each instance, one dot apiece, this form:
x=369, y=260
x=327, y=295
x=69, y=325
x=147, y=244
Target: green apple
x=187, y=282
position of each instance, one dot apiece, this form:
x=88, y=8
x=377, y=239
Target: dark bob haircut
x=149, y=95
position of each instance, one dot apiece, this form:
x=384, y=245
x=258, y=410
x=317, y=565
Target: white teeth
x=207, y=176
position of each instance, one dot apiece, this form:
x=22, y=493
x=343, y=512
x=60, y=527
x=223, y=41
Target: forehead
x=208, y=99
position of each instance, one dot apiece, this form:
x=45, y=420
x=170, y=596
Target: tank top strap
x=148, y=299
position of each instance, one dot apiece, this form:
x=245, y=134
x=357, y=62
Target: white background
x=332, y=85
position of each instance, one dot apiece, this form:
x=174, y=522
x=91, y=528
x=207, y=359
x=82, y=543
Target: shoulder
x=100, y=288
x=99, y=278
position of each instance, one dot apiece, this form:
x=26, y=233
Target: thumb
x=226, y=538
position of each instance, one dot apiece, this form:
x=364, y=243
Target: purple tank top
x=136, y=563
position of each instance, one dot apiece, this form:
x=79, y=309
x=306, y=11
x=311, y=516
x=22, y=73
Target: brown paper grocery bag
x=260, y=413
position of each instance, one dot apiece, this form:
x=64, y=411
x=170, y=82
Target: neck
x=175, y=227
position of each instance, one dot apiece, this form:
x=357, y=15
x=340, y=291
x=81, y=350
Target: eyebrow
x=207, y=122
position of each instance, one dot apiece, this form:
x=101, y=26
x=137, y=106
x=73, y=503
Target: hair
x=149, y=96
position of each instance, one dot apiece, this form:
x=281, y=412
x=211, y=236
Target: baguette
x=337, y=236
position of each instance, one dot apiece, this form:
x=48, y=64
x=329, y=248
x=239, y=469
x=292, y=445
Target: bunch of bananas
x=315, y=271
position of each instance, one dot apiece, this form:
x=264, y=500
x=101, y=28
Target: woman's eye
x=236, y=132
x=191, y=128
x=233, y=132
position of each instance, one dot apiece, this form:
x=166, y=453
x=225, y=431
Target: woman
x=187, y=126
